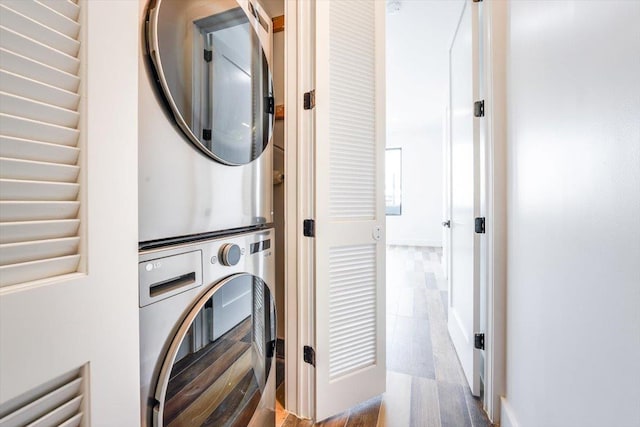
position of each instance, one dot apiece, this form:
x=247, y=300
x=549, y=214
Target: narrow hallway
x=425, y=383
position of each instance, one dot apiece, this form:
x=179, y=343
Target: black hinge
x=480, y=225
x=478, y=109
x=208, y=55
x=478, y=341
x=206, y=134
x=309, y=355
x=269, y=104
x=309, y=100
x=309, y=228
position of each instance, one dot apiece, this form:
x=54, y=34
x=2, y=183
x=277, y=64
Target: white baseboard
x=507, y=418
x=415, y=242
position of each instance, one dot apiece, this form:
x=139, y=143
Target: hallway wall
x=573, y=330
x=418, y=39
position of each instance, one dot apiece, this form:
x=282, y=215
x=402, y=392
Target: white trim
x=506, y=414
x=494, y=35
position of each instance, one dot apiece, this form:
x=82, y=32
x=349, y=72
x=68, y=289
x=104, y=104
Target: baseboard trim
x=507, y=418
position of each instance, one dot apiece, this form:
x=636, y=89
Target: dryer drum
x=214, y=76
x=217, y=366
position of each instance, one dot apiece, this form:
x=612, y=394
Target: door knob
x=446, y=223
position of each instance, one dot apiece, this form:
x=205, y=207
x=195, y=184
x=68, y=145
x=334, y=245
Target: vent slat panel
x=14, y=232
x=72, y=422
x=37, y=190
x=65, y=7
x=15, y=253
x=19, y=127
x=12, y=19
x=25, y=149
x=28, y=88
x=39, y=135
x=26, y=46
x=59, y=415
x=35, y=270
x=47, y=14
x=47, y=404
x=37, y=211
x=352, y=308
x=38, y=71
x=37, y=171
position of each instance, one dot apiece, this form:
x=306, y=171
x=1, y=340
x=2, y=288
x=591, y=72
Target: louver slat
x=15, y=253
x=26, y=46
x=352, y=308
x=38, y=71
x=38, y=91
x=28, y=271
x=53, y=404
x=37, y=171
x=25, y=149
x=34, y=30
x=65, y=7
x=45, y=13
x=37, y=211
x=14, y=232
x=39, y=118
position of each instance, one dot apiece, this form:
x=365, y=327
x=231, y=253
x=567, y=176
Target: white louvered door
x=39, y=66
x=349, y=204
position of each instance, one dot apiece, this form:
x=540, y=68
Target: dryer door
x=214, y=75
x=219, y=374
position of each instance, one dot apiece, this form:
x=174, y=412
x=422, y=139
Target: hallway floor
x=425, y=383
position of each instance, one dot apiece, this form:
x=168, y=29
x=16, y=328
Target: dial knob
x=230, y=254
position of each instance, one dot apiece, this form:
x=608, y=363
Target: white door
x=464, y=294
x=349, y=204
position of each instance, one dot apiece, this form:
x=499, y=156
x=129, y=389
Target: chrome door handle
x=446, y=223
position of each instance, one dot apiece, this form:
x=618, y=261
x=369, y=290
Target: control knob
x=230, y=254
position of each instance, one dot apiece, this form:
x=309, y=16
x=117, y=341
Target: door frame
x=493, y=85
x=299, y=376
x=493, y=251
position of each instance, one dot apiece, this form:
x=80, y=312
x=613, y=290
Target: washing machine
x=207, y=333
x=206, y=112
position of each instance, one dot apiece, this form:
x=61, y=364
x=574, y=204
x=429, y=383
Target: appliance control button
x=214, y=259
x=230, y=254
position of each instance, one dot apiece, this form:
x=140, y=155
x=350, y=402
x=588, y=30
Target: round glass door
x=214, y=75
x=218, y=364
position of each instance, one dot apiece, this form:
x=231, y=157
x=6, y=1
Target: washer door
x=214, y=75
x=216, y=370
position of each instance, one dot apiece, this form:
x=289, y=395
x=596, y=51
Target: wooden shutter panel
x=39, y=116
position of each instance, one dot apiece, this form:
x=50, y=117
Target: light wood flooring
x=425, y=383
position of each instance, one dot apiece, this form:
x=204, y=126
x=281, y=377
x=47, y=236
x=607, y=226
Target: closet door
x=349, y=204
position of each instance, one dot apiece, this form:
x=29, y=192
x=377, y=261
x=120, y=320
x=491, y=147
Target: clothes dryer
x=207, y=333
x=206, y=112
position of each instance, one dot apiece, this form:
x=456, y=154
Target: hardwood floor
x=425, y=383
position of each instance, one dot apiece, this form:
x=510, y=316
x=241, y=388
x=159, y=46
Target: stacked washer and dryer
x=206, y=271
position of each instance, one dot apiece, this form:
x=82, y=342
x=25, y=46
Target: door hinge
x=309, y=100
x=270, y=104
x=480, y=229
x=478, y=108
x=206, y=134
x=478, y=341
x=309, y=355
x=309, y=228
x=208, y=55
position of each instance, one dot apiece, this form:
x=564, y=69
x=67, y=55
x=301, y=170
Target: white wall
x=420, y=222
x=56, y=326
x=418, y=39
x=573, y=295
